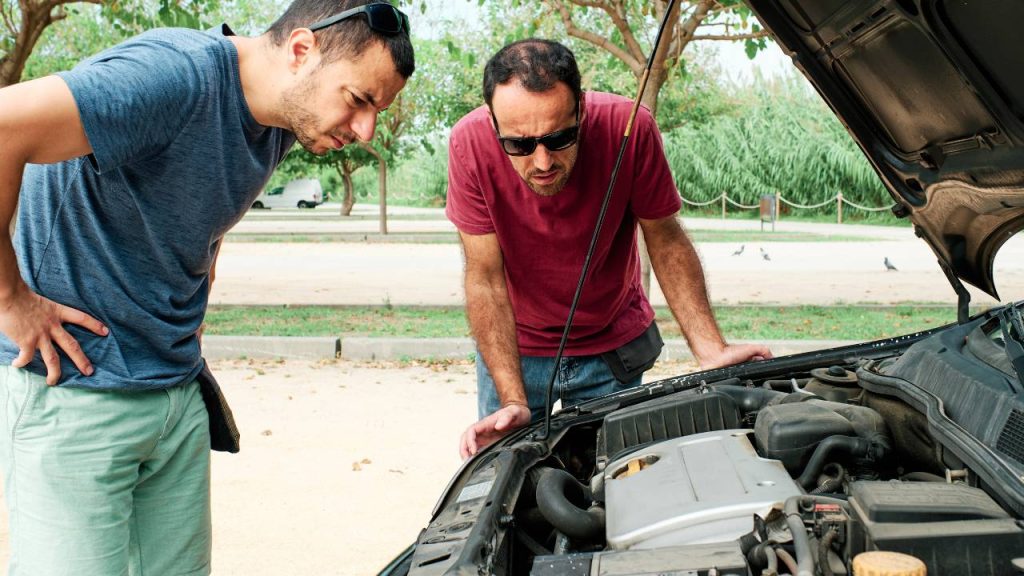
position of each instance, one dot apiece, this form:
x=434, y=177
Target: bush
x=780, y=138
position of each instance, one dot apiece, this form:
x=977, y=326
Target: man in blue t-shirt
x=130, y=169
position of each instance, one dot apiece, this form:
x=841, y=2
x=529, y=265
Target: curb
x=284, y=347
x=365, y=349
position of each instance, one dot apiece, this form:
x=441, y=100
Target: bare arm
x=39, y=124
x=490, y=315
x=681, y=278
x=493, y=325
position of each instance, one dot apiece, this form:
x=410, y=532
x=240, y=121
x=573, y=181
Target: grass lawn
x=737, y=322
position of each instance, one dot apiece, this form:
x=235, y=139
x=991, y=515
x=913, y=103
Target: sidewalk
x=431, y=274
x=367, y=349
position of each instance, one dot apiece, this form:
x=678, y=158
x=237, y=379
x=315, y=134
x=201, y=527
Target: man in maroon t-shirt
x=527, y=174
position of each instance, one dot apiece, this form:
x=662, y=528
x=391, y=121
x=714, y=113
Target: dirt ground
x=341, y=463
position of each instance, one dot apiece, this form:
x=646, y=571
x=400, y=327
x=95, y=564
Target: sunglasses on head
x=525, y=145
x=381, y=17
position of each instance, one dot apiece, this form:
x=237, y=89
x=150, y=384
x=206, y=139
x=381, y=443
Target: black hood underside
x=933, y=92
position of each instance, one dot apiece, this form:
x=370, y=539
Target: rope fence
x=769, y=205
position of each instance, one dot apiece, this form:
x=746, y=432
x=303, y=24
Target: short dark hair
x=348, y=38
x=536, y=63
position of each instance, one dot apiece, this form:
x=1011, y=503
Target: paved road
x=343, y=273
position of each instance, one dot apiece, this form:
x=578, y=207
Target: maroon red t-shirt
x=544, y=240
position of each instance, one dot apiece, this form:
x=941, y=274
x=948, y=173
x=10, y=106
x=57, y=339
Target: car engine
x=909, y=458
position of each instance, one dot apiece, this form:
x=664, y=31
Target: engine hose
x=555, y=504
x=748, y=541
x=786, y=559
x=801, y=543
x=834, y=482
x=761, y=558
x=854, y=446
x=749, y=399
x=773, y=560
x=824, y=547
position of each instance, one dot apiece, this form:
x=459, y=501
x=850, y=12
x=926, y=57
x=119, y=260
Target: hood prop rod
x=963, y=297
x=600, y=221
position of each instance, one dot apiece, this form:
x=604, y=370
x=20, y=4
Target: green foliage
x=90, y=28
x=421, y=179
x=779, y=138
x=737, y=322
x=85, y=31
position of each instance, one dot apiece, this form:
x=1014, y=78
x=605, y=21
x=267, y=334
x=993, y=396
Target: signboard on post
x=768, y=205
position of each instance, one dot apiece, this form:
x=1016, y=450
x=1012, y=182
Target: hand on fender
x=492, y=428
x=736, y=354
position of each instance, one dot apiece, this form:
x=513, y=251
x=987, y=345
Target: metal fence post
x=839, y=206
x=723, y=205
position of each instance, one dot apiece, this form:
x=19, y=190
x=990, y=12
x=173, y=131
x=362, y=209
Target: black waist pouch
x=223, y=432
x=636, y=356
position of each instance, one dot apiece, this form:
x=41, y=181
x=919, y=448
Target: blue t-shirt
x=128, y=233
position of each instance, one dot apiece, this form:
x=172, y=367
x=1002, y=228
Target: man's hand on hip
x=33, y=323
x=492, y=428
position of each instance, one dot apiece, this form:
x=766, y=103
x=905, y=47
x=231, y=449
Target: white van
x=301, y=193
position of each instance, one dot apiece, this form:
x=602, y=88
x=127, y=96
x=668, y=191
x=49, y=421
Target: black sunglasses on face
x=525, y=145
x=381, y=17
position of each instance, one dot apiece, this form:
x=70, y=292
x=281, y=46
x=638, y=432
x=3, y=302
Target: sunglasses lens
x=384, y=18
x=519, y=146
x=560, y=140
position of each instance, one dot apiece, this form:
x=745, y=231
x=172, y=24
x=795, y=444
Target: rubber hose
x=849, y=444
x=824, y=546
x=801, y=543
x=748, y=541
x=786, y=559
x=834, y=482
x=773, y=560
x=557, y=508
x=750, y=399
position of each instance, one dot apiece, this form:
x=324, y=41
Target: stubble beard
x=556, y=186
x=301, y=121
x=549, y=189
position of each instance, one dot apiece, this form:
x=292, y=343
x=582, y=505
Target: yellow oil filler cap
x=880, y=563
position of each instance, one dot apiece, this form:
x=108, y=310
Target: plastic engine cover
x=696, y=489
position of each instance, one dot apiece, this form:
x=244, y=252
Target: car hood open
x=932, y=91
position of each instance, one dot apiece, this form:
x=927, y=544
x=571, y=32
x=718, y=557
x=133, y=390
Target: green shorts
x=105, y=483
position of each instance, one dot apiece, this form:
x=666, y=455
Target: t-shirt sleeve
x=466, y=206
x=133, y=100
x=654, y=194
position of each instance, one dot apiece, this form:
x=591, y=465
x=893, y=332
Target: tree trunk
x=35, y=17
x=382, y=179
x=349, y=199
x=382, y=182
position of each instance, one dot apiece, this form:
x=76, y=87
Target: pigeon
x=889, y=265
x=740, y=251
x=764, y=254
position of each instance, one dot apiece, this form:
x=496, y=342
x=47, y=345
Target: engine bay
x=827, y=465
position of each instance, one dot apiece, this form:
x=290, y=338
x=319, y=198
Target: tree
x=24, y=22
x=23, y=25
x=690, y=20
